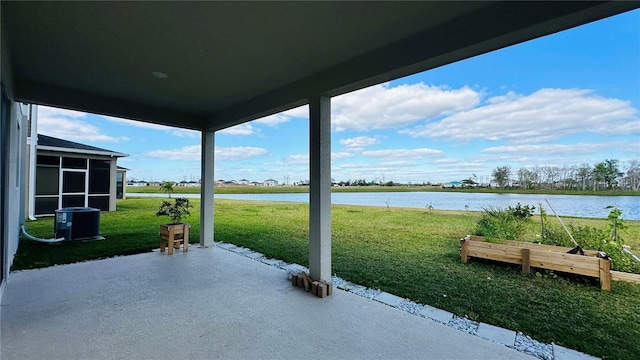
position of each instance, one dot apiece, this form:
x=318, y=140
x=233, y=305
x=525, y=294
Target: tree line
x=605, y=175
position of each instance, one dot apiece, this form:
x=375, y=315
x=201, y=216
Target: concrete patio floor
x=209, y=303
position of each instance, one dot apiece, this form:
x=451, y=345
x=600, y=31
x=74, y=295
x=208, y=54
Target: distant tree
x=612, y=172
x=606, y=171
x=583, y=173
x=167, y=187
x=501, y=175
x=632, y=178
x=527, y=178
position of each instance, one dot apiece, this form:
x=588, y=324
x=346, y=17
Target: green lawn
x=412, y=253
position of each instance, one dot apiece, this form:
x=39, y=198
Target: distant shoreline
x=305, y=189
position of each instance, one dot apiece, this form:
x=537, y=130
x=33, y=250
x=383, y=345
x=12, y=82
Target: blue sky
x=565, y=99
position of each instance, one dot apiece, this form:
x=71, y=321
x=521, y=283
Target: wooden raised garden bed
x=540, y=256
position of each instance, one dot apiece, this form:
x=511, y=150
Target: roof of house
x=51, y=143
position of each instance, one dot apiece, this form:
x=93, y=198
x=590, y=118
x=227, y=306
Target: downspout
x=33, y=118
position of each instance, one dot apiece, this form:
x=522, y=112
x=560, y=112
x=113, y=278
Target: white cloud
x=298, y=159
x=299, y=112
x=403, y=153
x=187, y=153
x=360, y=142
x=384, y=107
x=69, y=125
x=238, y=153
x=273, y=120
x=553, y=149
x=341, y=155
x=184, y=133
x=242, y=129
x=134, y=123
x=545, y=115
x=192, y=153
x=446, y=161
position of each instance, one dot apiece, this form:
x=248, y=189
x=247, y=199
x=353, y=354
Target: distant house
x=452, y=184
x=270, y=182
x=70, y=174
x=243, y=182
x=121, y=180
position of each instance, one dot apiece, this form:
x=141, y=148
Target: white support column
x=206, y=187
x=320, y=188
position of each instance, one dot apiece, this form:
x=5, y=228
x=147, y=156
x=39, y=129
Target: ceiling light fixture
x=159, y=74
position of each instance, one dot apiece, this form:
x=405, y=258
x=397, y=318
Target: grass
x=408, y=252
x=305, y=189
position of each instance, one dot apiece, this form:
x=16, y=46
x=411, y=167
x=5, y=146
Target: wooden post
x=605, y=274
x=463, y=250
x=170, y=243
x=185, y=238
x=526, y=269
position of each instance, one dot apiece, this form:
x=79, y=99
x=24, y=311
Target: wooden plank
x=624, y=276
x=171, y=236
x=605, y=274
x=496, y=252
x=185, y=238
x=577, y=264
x=489, y=255
x=526, y=268
x=533, y=245
x=559, y=249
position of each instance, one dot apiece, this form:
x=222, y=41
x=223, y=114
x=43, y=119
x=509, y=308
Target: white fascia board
x=79, y=151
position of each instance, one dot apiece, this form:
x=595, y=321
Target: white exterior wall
x=13, y=136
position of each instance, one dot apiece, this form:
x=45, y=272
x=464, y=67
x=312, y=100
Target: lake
x=567, y=205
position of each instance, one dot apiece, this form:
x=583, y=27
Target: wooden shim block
x=294, y=280
x=605, y=274
x=314, y=288
x=329, y=287
x=322, y=290
x=624, y=276
x=526, y=269
x=300, y=281
x=305, y=282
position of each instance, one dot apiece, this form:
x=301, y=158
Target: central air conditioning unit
x=78, y=223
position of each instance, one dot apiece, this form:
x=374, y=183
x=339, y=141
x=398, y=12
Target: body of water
x=567, y=205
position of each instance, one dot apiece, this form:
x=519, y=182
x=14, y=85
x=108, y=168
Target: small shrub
x=176, y=211
x=501, y=224
x=522, y=211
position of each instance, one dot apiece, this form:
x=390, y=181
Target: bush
x=521, y=212
x=501, y=224
x=176, y=211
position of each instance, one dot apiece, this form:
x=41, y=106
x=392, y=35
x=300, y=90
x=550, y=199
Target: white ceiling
x=229, y=62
